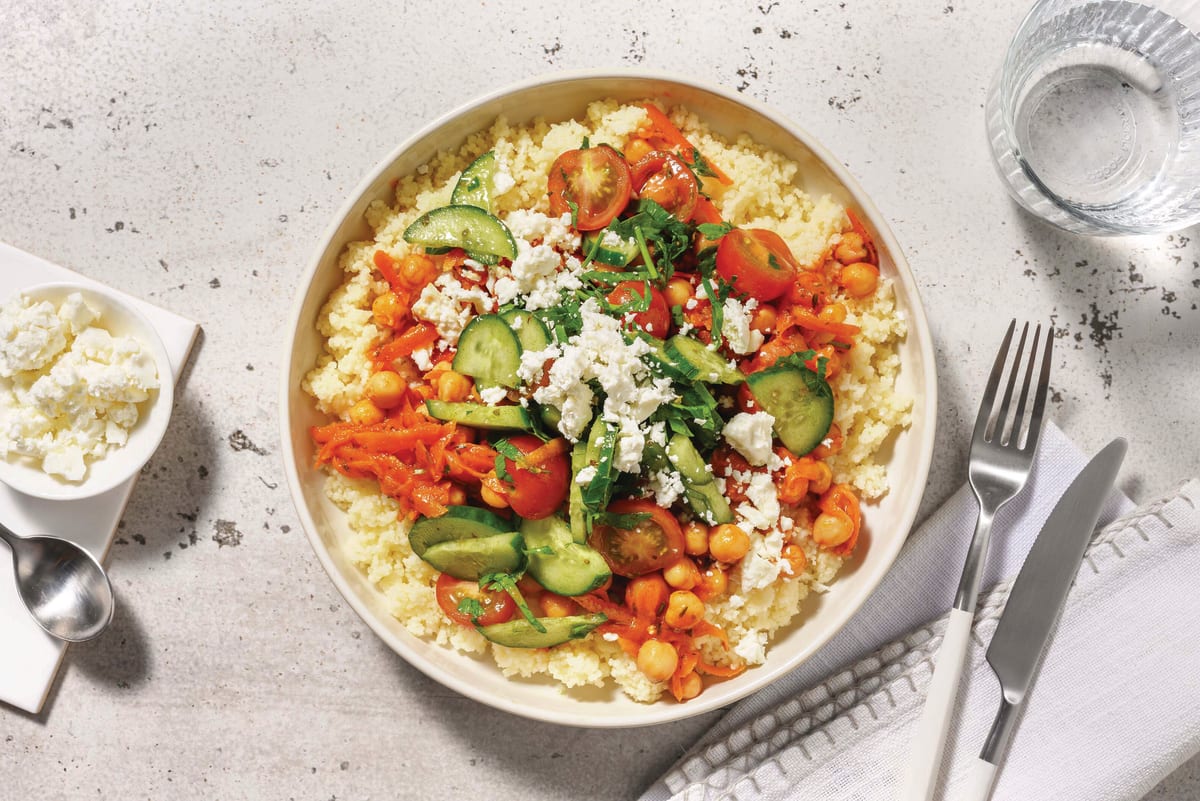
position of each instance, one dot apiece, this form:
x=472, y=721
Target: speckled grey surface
x=193, y=156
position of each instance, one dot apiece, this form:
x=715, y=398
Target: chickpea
x=554, y=605
x=695, y=536
x=728, y=543
x=389, y=310
x=684, y=610
x=457, y=496
x=657, y=659
x=683, y=575
x=452, y=386
x=386, y=389
x=821, y=483
x=691, y=686
x=365, y=413
x=647, y=595
x=851, y=248
x=860, y=279
x=678, y=291
x=492, y=498
x=636, y=149
x=831, y=530
x=417, y=270
x=764, y=319
x=832, y=313
x=796, y=560
x=713, y=583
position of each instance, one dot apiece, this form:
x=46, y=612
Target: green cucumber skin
x=468, y=559
x=474, y=186
x=520, y=633
x=606, y=255
x=570, y=568
x=477, y=415
x=700, y=488
x=531, y=332
x=459, y=522
x=708, y=364
x=489, y=352
x=800, y=401
x=468, y=227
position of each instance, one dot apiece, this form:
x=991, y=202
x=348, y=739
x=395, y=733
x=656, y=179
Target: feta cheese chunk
x=751, y=435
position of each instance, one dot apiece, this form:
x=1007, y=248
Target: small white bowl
x=120, y=464
x=558, y=97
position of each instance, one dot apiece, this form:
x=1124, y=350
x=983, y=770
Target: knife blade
x=1036, y=601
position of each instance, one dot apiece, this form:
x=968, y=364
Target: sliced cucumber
x=708, y=364
x=470, y=558
x=672, y=367
x=489, y=351
x=800, y=401
x=459, y=523
x=520, y=633
x=550, y=416
x=477, y=415
x=616, y=254
x=461, y=226
x=569, y=568
x=531, y=332
x=575, y=513
x=699, y=487
x=474, y=187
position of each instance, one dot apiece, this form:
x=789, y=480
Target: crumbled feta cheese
x=691, y=304
x=751, y=435
x=493, y=395
x=553, y=231
x=667, y=486
x=752, y=647
x=449, y=306
x=586, y=474
x=71, y=388
x=600, y=353
x=422, y=358
x=735, y=327
x=502, y=182
x=761, y=509
x=761, y=565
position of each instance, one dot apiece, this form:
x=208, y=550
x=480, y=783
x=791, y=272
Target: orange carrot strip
x=720, y=670
x=387, y=268
x=857, y=226
x=544, y=453
x=665, y=129
x=421, y=335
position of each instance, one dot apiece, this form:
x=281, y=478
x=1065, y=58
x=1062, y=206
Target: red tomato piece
x=651, y=544
x=664, y=178
x=757, y=262
x=596, y=180
x=656, y=320
x=498, y=607
x=537, y=491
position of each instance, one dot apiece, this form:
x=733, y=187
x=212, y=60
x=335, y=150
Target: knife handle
x=981, y=781
x=925, y=760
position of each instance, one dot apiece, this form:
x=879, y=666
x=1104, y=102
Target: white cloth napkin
x=1115, y=709
x=29, y=657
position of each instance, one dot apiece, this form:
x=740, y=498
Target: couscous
x=607, y=394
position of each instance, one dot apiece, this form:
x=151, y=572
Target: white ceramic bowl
x=560, y=97
x=119, y=318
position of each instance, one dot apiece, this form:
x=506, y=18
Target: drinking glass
x=1094, y=117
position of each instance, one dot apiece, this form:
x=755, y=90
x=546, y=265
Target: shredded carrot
x=840, y=499
x=387, y=268
x=662, y=128
x=857, y=226
x=544, y=453
x=421, y=335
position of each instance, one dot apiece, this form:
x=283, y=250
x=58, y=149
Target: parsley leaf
x=471, y=608
x=506, y=582
x=574, y=207
x=586, y=144
x=714, y=231
x=700, y=165
x=652, y=225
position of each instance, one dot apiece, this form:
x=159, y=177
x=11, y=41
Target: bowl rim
x=657, y=713
x=150, y=429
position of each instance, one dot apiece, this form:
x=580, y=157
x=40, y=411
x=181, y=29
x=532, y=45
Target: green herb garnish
x=506, y=582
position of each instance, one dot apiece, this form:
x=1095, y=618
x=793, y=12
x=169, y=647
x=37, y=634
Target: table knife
x=1036, y=601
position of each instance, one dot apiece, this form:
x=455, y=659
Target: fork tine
x=989, y=394
x=1002, y=415
x=1014, y=438
x=1039, y=399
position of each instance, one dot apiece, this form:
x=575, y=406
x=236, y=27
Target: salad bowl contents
x=608, y=401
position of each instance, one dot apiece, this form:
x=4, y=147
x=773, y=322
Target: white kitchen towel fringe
x=1116, y=709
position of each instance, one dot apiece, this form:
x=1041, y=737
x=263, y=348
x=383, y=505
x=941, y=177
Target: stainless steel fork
x=1002, y=449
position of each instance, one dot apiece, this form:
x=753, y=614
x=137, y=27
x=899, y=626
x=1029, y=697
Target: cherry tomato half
x=664, y=178
x=537, y=491
x=596, y=180
x=656, y=320
x=756, y=261
x=651, y=544
x=498, y=607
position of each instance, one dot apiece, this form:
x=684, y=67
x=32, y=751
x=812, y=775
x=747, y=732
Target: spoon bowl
x=62, y=585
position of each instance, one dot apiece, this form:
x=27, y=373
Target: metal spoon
x=62, y=585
